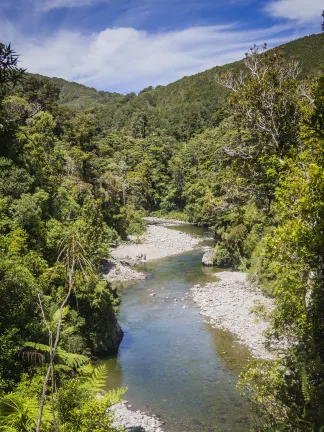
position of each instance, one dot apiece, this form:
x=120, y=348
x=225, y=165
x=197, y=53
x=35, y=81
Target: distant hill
x=80, y=96
x=182, y=108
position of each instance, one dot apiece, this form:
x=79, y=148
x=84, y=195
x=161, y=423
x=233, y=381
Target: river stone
x=208, y=258
x=134, y=421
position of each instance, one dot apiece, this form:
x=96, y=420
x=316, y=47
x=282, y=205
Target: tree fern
x=38, y=346
x=71, y=360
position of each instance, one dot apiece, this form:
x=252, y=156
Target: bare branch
x=230, y=80
x=304, y=91
x=232, y=153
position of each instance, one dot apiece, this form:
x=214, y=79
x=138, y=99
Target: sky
x=127, y=45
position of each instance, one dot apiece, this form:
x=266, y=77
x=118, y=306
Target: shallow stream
x=173, y=362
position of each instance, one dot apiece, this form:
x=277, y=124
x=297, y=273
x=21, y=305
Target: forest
x=239, y=148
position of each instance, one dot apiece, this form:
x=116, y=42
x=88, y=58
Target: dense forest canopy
x=238, y=148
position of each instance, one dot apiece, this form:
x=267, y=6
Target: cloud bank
x=301, y=10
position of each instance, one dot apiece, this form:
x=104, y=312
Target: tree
x=41, y=93
x=266, y=113
x=289, y=391
x=10, y=73
x=10, y=76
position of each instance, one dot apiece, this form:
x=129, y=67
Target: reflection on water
x=173, y=362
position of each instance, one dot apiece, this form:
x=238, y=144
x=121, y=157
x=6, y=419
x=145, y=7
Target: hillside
x=182, y=108
x=79, y=96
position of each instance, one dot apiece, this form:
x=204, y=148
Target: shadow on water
x=173, y=362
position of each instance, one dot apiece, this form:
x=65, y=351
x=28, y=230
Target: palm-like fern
x=18, y=414
x=74, y=256
x=70, y=360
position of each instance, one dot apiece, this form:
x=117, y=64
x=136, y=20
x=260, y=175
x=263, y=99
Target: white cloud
x=47, y=5
x=126, y=59
x=301, y=10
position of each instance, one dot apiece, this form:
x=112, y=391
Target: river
x=173, y=362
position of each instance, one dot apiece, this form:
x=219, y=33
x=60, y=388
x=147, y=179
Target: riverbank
x=157, y=242
x=135, y=421
x=164, y=221
x=229, y=304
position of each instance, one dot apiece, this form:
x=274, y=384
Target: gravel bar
x=229, y=303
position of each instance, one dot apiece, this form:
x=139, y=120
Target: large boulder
x=208, y=258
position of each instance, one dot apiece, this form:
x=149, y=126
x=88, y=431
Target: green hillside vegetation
x=182, y=108
x=78, y=96
x=79, y=169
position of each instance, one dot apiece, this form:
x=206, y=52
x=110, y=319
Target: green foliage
x=56, y=229
x=81, y=408
x=10, y=74
x=77, y=405
x=294, y=264
x=18, y=414
x=80, y=168
x=97, y=379
x=71, y=360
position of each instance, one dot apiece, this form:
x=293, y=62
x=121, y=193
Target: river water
x=172, y=361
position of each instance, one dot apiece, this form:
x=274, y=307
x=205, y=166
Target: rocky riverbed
x=135, y=421
x=157, y=242
x=229, y=304
x=118, y=271
x=164, y=221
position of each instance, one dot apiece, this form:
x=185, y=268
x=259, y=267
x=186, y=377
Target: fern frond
x=62, y=367
x=37, y=346
x=116, y=395
x=304, y=385
x=17, y=413
x=70, y=359
x=68, y=331
x=56, y=315
x=97, y=379
x=85, y=371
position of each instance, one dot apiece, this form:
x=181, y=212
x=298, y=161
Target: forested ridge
x=237, y=148
x=180, y=109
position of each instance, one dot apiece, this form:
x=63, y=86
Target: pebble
x=158, y=242
x=124, y=417
x=228, y=304
x=115, y=271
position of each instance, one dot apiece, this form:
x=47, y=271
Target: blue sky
x=126, y=45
